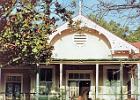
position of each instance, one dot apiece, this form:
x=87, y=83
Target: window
x=13, y=78
x=79, y=76
x=46, y=81
x=45, y=74
x=113, y=74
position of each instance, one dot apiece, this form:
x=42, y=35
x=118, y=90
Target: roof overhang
x=94, y=61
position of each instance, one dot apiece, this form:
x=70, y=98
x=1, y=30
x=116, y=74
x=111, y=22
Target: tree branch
x=121, y=7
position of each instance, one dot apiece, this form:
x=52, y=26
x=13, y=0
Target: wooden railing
x=21, y=96
x=32, y=96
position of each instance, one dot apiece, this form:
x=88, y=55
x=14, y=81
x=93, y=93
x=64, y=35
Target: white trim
x=78, y=71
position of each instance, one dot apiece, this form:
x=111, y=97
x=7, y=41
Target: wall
x=93, y=48
x=25, y=81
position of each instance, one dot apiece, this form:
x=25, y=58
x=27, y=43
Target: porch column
x=61, y=81
x=0, y=79
x=37, y=83
x=138, y=66
x=132, y=86
x=97, y=79
x=61, y=76
x=1, y=95
x=121, y=80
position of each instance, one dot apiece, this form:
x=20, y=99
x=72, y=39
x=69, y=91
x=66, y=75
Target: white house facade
x=92, y=63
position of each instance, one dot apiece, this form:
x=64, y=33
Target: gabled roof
x=136, y=44
x=116, y=42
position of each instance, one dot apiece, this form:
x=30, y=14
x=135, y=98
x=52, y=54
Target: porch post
x=97, y=79
x=138, y=66
x=37, y=83
x=0, y=79
x=132, y=86
x=2, y=96
x=121, y=80
x=61, y=81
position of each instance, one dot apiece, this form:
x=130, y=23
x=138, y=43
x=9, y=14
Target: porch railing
x=21, y=96
x=27, y=96
x=32, y=96
x=117, y=97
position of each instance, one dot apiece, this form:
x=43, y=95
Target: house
x=137, y=45
x=90, y=60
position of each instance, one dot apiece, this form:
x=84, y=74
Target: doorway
x=84, y=88
x=79, y=88
x=78, y=82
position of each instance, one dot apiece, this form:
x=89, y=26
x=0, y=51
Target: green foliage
x=117, y=29
x=25, y=34
x=111, y=26
x=134, y=36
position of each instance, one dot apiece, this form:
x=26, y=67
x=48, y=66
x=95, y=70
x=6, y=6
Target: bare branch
x=121, y=7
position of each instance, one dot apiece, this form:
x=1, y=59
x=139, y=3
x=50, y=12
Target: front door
x=84, y=88
x=79, y=88
x=78, y=83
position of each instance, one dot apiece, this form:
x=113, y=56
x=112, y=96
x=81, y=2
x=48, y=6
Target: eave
x=94, y=61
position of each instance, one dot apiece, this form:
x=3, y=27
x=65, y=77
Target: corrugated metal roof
x=136, y=44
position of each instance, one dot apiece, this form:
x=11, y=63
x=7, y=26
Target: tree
x=121, y=6
x=112, y=26
x=134, y=36
x=127, y=12
x=6, y=7
x=121, y=31
x=25, y=27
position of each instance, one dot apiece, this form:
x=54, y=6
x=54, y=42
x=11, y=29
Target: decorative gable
x=65, y=41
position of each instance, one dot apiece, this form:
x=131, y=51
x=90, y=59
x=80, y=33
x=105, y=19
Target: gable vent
x=80, y=39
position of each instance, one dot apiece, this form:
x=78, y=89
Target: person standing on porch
x=80, y=98
x=84, y=95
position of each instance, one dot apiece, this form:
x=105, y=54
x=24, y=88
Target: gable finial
x=80, y=7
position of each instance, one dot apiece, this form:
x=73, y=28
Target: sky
x=90, y=6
